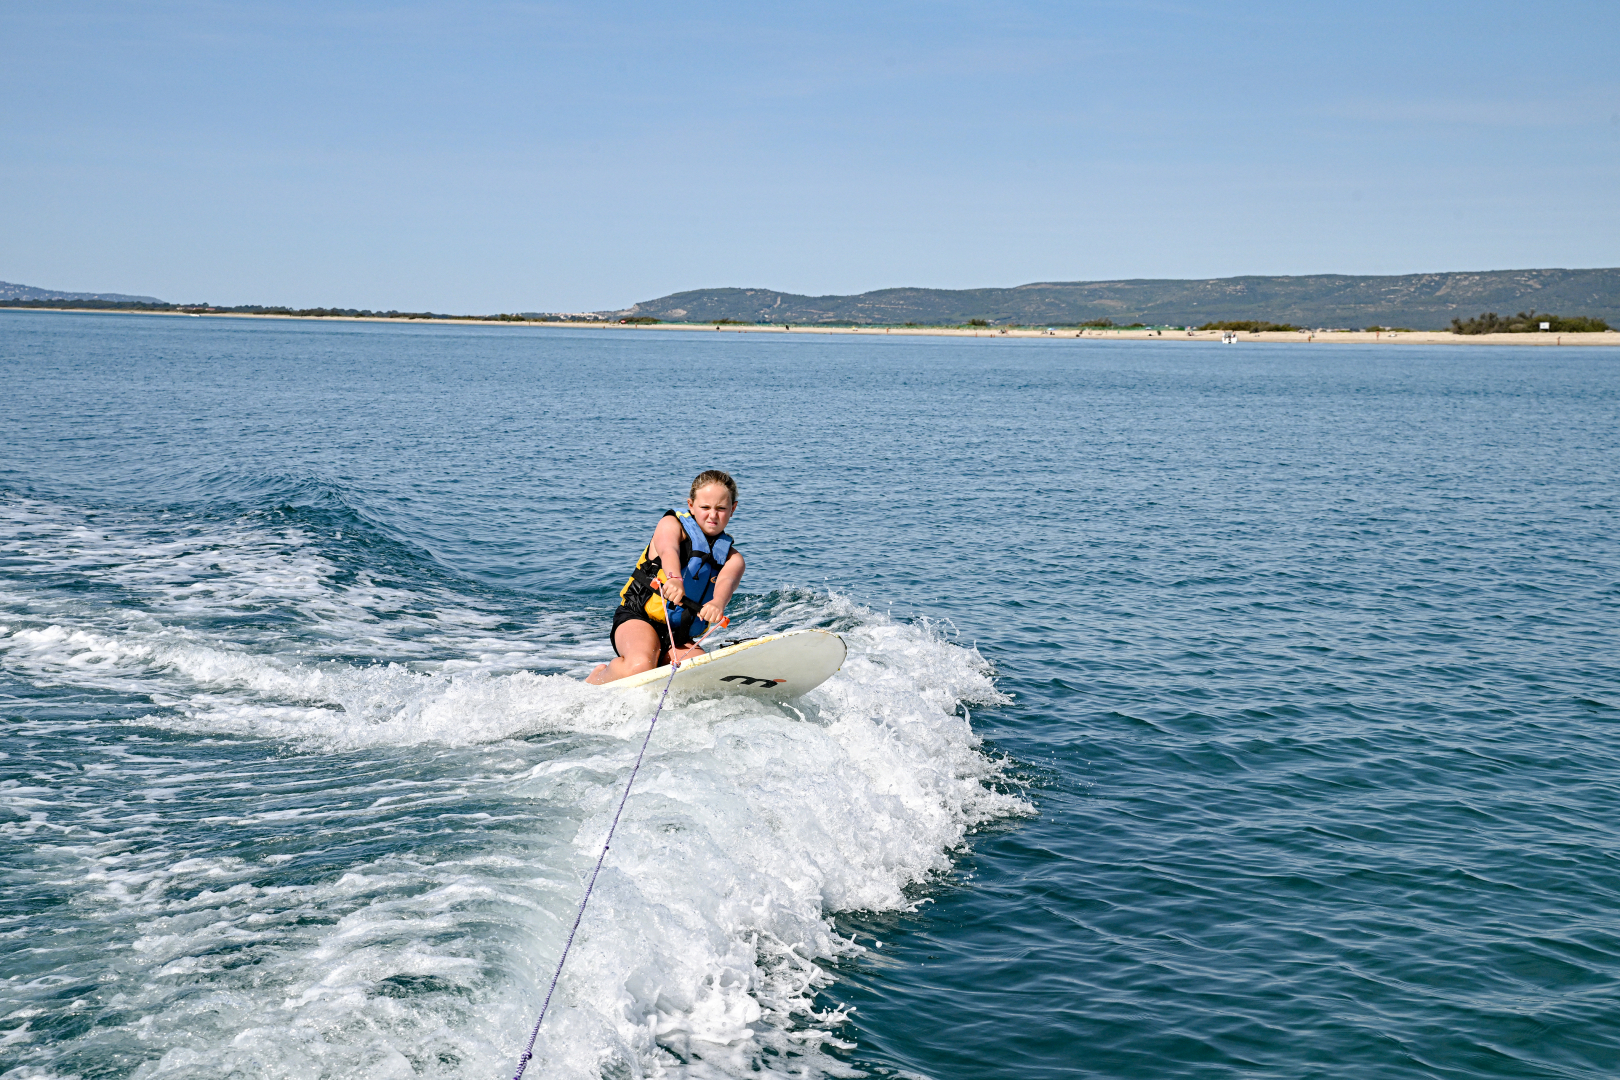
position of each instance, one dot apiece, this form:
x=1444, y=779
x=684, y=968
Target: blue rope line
x=528, y=1051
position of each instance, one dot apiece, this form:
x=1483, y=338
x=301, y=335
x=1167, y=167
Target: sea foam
x=403, y=882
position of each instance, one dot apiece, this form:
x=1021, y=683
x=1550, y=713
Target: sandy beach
x=1328, y=337
x=1323, y=337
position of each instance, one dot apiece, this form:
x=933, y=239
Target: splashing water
x=254, y=846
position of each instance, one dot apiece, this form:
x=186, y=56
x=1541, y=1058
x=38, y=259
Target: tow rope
x=674, y=666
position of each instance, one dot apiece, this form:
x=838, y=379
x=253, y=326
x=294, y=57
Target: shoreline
x=1328, y=337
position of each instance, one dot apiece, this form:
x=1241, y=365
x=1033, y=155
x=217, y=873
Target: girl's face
x=711, y=508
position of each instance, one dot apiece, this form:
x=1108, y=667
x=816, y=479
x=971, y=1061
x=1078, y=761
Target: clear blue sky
x=485, y=157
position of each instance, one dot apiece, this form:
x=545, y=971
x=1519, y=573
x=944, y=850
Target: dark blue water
x=1211, y=712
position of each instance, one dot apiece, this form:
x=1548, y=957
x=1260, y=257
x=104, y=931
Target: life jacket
x=701, y=560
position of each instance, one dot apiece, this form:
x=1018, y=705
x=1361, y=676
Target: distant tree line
x=1253, y=326
x=1527, y=322
x=107, y=305
x=261, y=309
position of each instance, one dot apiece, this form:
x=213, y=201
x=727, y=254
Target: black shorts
x=626, y=613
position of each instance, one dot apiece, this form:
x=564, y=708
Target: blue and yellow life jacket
x=701, y=560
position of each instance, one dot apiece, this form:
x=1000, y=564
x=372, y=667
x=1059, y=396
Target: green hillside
x=1420, y=301
x=11, y=290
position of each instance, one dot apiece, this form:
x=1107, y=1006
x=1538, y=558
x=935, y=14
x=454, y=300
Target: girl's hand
x=674, y=591
x=712, y=612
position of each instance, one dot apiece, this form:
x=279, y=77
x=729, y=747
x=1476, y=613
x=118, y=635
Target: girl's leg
x=637, y=643
x=683, y=653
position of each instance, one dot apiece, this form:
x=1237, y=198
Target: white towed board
x=778, y=668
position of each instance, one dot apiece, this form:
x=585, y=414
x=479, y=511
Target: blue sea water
x=1211, y=712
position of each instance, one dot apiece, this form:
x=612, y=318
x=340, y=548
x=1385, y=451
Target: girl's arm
x=725, y=583
x=666, y=544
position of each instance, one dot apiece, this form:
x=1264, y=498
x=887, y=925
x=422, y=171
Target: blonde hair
x=713, y=476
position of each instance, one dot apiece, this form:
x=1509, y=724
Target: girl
x=700, y=571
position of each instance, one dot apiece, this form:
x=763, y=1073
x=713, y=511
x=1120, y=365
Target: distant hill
x=12, y=291
x=1419, y=301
